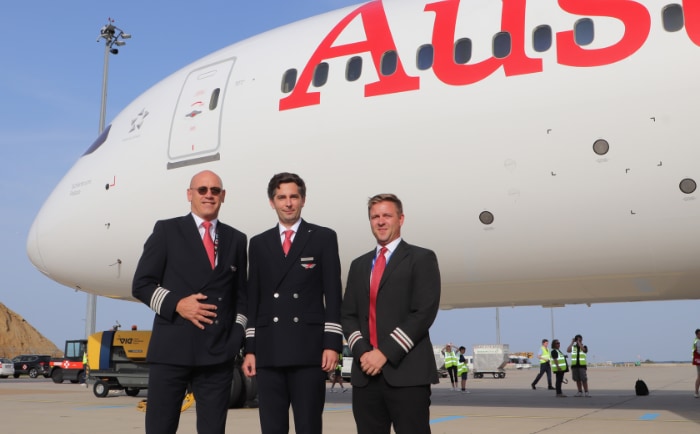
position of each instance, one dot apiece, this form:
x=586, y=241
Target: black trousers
x=378, y=405
x=545, y=368
x=559, y=380
x=304, y=387
x=167, y=386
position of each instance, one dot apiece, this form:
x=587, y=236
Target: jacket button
x=296, y=319
x=221, y=299
x=295, y=295
x=276, y=295
x=216, y=321
x=275, y=319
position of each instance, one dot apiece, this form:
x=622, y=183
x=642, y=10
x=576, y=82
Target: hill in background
x=17, y=337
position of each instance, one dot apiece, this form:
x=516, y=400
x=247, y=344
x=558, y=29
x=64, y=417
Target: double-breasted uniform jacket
x=407, y=304
x=174, y=265
x=294, y=301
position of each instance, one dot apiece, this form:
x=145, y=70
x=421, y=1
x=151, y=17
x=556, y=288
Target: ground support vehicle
x=490, y=360
x=70, y=366
x=117, y=361
x=32, y=365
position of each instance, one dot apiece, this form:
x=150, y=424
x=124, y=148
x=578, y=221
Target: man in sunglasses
x=192, y=274
x=294, y=335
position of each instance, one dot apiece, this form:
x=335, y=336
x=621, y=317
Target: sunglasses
x=215, y=191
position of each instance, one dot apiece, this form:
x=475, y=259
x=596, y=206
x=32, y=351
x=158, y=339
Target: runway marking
x=343, y=408
x=445, y=419
x=649, y=416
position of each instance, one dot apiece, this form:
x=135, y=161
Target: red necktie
x=377, y=271
x=287, y=244
x=209, y=243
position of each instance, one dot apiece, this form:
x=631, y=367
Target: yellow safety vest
x=579, y=355
x=450, y=359
x=558, y=364
x=545, y=354
x=462, y=368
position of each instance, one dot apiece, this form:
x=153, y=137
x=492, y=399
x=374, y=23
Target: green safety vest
x=577, y=355
x=450, y=359
x=558, y=364
x=462, y=368
x=545, y=354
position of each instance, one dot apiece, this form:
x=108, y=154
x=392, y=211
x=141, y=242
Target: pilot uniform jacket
x=175, y=265
x=294, y=301
x=407, y=304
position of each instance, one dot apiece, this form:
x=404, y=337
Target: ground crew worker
x=558, y=362
x=463, y=369
x=545, y=368
x=451, y=364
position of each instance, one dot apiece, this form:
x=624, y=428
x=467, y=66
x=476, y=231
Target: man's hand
x=372, y=362
x=329, y=360
x=248, y=365
x=192, y=309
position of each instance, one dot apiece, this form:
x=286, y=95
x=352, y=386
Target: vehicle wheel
x=57, y=376
x=16, y=375
x=237, y=396
x=100, y=389
x=3, y=376
x=33, y=373
x=503, y=375
x=132, y=391
x=496, y=375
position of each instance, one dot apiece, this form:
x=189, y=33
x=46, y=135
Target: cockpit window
x=98, y=141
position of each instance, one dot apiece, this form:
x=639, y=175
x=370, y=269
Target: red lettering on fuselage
x=691, y=13
x=633, y=15
x=444, y=66
x=379, y=41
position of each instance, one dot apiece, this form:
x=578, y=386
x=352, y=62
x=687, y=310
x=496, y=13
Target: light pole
x=112, y=35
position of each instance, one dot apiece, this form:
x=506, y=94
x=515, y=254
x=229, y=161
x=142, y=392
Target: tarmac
x=509, y=405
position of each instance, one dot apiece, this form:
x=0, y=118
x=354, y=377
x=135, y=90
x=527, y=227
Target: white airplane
x=546, y=150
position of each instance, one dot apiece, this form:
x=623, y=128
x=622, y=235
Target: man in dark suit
x=192, y=273
x=294, y=334
x=391, y=300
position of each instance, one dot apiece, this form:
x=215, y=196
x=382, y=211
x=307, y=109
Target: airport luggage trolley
x=117, y=361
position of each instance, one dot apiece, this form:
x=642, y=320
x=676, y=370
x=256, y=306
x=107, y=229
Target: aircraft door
x=195, y=131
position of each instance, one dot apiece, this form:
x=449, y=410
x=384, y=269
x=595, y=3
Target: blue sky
x=50, y=84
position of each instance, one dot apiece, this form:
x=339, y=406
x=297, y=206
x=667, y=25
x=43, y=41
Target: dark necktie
x=209, y=243
x=377, y=271
x=287, y=244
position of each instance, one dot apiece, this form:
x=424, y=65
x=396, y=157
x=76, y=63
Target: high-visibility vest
x=545, y=355
x=696, y=347
x=577, y=354
x=558, y=364
x=462, y=367
x=450, y=359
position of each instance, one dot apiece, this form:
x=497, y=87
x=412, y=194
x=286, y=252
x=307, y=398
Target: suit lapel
x=396, y=258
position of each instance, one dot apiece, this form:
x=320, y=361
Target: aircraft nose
x=33, y=246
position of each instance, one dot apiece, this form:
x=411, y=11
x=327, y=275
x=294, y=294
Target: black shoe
x=533, y=387
x=550, y=388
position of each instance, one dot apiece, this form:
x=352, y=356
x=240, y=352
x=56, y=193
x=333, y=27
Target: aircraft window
x=389, y=62
x=463, y=51
x=424, y=59
x=673, y=18
x=214, y=100
x=501, y=45
x=98, y=141
x=320, y=74
x=542, y=38
x=601, y=146
x=584, y=31
x=486, y=217
x=289, y=80
x=354, y=68
x=688, y=186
